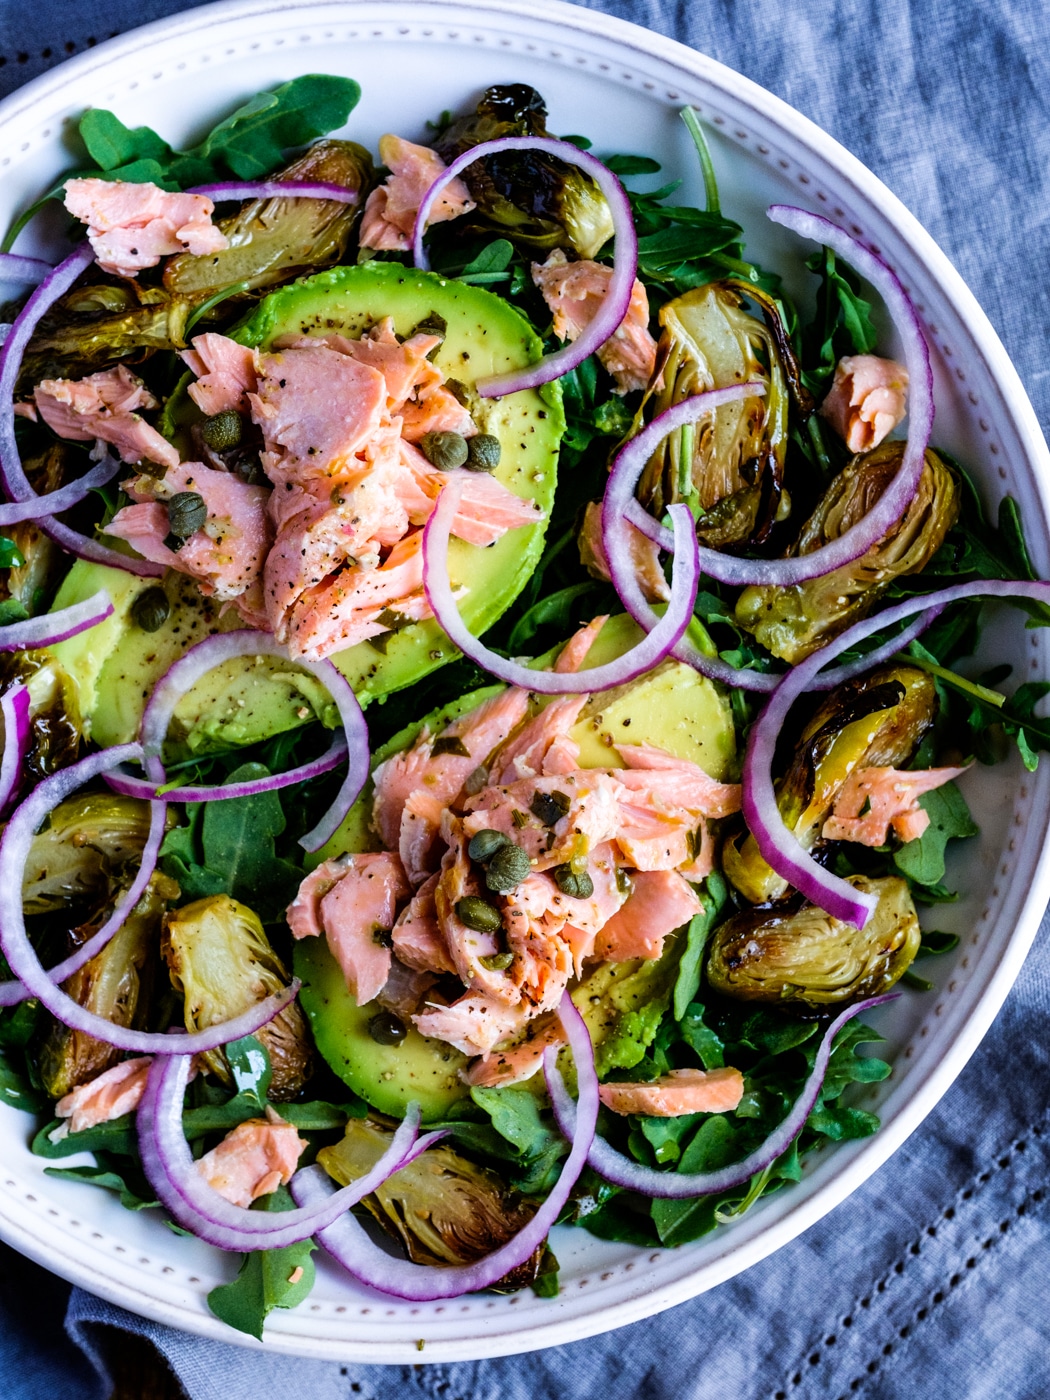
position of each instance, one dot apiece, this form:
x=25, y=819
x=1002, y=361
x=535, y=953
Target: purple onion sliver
x=83, y=547
x=633, y=1176
x=129, y=786
x=192, y=1203
x=22, y=957
x=14, y=705
x=55, y=502
x=14, y=267
x=203, y=657
x=349, y=1244
x=617, y=297
x=50, y=628
x=779, y=847
x=276, y=189
x=648, y=653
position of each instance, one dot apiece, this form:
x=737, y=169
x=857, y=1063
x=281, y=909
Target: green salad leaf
x=267, y=1278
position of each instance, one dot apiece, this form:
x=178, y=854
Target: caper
x=150, y=609
x=576, y=886
x=222, y=430
x=498, y=962
x=624, y=883
x=483, y=453
x=484, y=845
x=507, y=868
x=186, y=514
x=446, y=451
x=386, y=1029
x=549, y=807
x=478, y=914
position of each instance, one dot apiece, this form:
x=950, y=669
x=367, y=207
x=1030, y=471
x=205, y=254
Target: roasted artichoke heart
x=115, y=984
x=221, y=961
x=794, y=621
x=813, y=958
x=89, y=848
x=532, y=198
x=271, y=241
x=730, y=465
x=442, y=1208
x=876, y=720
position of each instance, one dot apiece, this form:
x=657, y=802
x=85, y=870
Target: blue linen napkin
x=934, y=1275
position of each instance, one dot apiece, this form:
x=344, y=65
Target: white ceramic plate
x=622, y=86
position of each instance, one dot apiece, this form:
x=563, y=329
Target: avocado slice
x=115, y=670
x=672, y=707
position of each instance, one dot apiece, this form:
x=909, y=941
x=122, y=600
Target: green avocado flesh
x=672, y=707
x=116, y=665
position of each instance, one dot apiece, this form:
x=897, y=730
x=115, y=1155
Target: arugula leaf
x=922, y=860
x=17, y=1090
x=841, y=324
x=515, y=1114
x=113, y=1174
x=10, y=554
x=632, y=165
x=557, y=610
x=250, y=1067
x=116, y=1137
x=112, y=145
x=11, y=610
x=715, y=1145
x=715, y=893
x=665, y=250
x=265, y=1279
x=699, y=1036
x=491, y=263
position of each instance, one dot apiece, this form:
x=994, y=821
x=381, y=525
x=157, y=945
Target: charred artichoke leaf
x=273, y=240
x=877, y=720
x=794, y=621
x=811, y=958
x=536, y=200
x=221, y=961
x=729, y=466
x=89, y=848
x=116, y=984
x=442, y=1208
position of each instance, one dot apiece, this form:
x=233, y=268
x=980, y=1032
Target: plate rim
x=857, y=1165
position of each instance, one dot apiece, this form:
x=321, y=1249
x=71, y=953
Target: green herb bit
x=450, y=744
x=549, y=807
x=703, y=151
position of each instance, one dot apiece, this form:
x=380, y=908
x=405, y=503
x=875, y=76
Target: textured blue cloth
x=933, y=1278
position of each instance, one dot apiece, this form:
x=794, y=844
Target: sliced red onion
x=50, y=628
x=779, y=847
x=198, y=1207
x=14, y=706
x=622, y=1171
x=24, y=962
x=893, y=502
x=224, y=646
x=55, y=502
x=16, y=268
x=11, y=993
x=648, y=653
x=12, y=476
x=276, y=189
x=617, y=297
x=349, y=1244
x=142, y=787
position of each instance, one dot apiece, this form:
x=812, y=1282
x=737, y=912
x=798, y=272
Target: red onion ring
x=779, y=847
x=11, y=993
x=621, y=1171
x=21, y=955
x=648, y=653
x=51, y=628
x=130, y=786
x=275, y=189
x=14, y=706
x=198, y=1207
x=14, y=267
x=349, y=1245
x=893, y=502
x=12, y=476
x=625, y=263
x=55, y=502
x=224, y=646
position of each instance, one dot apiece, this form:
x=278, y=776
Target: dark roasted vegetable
x=730, y=466
x=877, y=720
x=442, y=1208
x=536, y=200
x=221, y=961
x=271, y=241
x=115, y=984
x=89, y=848
x=792, y=622
x=810, y=957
